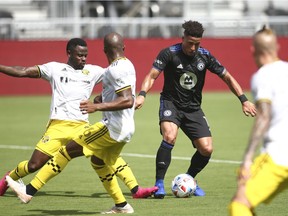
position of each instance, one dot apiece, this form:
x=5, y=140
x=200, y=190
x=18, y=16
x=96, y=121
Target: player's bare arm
x=18, y=71
x=259, y=128
x=124, y=100
x=248, y=108
x=146, y=86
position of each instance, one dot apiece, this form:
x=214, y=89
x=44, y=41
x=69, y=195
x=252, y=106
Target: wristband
x=242, y=98
x=142, y=93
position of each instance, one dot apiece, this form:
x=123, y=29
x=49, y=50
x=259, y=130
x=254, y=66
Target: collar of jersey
x=118, y=59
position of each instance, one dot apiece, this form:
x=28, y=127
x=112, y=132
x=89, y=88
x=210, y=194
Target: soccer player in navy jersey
x=184, y=66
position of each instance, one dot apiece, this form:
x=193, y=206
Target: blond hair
x=265, y=41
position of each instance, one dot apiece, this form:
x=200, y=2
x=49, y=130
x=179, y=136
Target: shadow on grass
x=59, y=212
x=72, y=194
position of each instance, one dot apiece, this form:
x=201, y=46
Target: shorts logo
x=188, y=80
x=200, y=66
x=45, y=139
x=167, y=113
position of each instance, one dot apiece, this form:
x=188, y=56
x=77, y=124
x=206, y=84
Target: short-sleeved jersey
x=184, y=76
x=120, y=75
x=269, y=84
x=69, y=88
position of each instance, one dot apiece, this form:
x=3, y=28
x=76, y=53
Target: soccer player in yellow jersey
x=260, y=181
x=105, y=139
x=70, y=83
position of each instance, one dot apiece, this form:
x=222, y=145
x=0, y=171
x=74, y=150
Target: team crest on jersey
x=45, y=139
x=85, y=71
x=188, y=80
x=200, y=66
x=167, y=113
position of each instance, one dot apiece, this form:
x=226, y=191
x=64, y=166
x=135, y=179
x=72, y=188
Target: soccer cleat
x=19, y=189
x=3, y=184
x=160, y=193
x=199, y=191
x=144, y=192
x=127, y=209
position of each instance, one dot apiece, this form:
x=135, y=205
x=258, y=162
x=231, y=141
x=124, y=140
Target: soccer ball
x=183, y=185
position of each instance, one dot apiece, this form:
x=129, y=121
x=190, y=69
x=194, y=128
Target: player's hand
x=139, y=101
x=87, y=106
x=249, y=109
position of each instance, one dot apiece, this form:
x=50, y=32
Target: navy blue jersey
x=184, y=76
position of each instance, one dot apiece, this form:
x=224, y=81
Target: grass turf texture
x=78, y=191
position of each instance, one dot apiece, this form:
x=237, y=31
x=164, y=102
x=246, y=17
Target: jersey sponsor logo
x=69, y=80
x=188, y=80
x=167, y=113
x=200, y=66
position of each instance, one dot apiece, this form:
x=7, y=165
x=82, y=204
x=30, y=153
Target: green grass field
x=78, y=191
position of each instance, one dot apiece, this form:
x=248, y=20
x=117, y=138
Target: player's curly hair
x=193, y=28
x=72, y=43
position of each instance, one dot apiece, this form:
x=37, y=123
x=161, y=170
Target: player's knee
x=206, y=150
x=33, y=166
x=204, y=146
x=169, y=138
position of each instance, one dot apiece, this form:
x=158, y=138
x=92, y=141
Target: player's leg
x=58, y=133
x=197, y=129
x=110, y=183
x=52, y=168
x=124, y=172
x=106, y=152
x=169, y=123
x=266, y=181
x=47, y=146
x=24, y=168
x=200, y=159
x=169, y=132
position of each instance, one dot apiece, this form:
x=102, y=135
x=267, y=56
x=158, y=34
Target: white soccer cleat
x=127, y=209
x=19, y=189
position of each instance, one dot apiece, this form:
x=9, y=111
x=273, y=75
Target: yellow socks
x=109, y=181
x=52, y=168
x=238, y=209
x=20, y=171
x=124, y=172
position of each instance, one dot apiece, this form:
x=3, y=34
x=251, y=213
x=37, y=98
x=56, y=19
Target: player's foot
x=127, y=209
x=199, y=191
x=3, y=184
x=160, y=193
x=19, y=189
x=144, y=192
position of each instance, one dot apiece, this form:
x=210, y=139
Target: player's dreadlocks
x=193, y=28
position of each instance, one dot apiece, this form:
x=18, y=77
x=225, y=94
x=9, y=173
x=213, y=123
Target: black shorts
x=194, y=124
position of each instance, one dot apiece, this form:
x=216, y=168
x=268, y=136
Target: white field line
x=15, y=147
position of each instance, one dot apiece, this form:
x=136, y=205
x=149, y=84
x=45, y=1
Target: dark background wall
x=234, y=54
